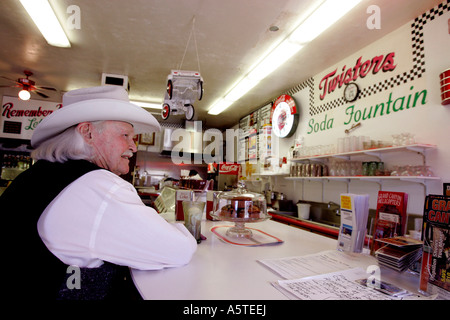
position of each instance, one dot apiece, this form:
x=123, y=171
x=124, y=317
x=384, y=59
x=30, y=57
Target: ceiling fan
x=28, y=86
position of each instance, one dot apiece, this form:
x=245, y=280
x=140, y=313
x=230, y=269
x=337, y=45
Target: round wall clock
x=284, y=116
x=351, y=92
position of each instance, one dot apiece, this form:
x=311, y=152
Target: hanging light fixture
x=24, y=95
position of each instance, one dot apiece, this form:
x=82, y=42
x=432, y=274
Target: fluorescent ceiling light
x=321, y=19
x=241, y=88
x=45, y=19
x=149, y=105
x=318, y=21
x=271, y=62
x=219, y=106
x=274, y=59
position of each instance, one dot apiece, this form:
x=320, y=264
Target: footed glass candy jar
x=240, y=206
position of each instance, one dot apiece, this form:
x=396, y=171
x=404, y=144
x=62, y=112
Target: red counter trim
x=311, y=226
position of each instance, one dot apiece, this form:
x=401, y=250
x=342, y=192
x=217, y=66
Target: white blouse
x=100, y=217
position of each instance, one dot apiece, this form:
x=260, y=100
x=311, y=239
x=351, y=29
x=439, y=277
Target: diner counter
x=224, y=271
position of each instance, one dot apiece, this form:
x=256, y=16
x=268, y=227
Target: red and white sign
x=445, y=86
x=19, y=118
x=284, y=113
x=288, y=100
x=229, y=168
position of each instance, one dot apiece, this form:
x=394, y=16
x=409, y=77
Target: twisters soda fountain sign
x=387, y=77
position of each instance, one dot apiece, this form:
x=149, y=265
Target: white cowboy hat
x=92, y=104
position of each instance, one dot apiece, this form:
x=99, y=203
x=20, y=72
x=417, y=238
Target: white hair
x=68, y=145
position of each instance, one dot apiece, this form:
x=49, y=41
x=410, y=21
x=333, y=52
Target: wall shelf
x=375, y=179
x=418, y=148
x=269, y=174
x=367, y=178
x=377, y=152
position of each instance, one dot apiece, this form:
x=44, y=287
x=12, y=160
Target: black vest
x=30, y=269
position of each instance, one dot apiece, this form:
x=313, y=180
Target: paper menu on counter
x=340, y=285
x=332, y=275
x=315, y=264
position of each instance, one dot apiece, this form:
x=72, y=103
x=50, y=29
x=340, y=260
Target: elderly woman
x=73, y=226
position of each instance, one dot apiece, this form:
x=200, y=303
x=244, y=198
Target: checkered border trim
x=416, y=72
x=307, y=84
x=304, y=85
x=418, y=53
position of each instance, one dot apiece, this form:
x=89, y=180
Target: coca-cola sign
x=229, y=168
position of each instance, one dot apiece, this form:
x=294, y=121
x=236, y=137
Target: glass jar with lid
x=240, y=206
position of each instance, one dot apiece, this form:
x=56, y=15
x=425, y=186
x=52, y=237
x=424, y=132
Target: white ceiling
x=146, y=39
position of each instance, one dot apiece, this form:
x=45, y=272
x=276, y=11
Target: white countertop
x=224, y=271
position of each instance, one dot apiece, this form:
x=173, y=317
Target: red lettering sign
x=439, y=216
x=440, y=205
x=9, y=111
x=330, y=82
x=229, y=168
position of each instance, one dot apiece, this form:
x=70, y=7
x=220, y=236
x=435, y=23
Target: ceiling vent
x=115, y=80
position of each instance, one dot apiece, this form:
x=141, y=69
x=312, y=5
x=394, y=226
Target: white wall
x=429, y=122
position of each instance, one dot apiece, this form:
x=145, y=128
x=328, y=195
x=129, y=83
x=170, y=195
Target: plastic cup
x=303, y=210
x=193, y=213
